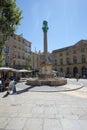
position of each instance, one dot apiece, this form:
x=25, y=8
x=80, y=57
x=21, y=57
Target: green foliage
x=10, y=16
x=2, y=59
x=28, y=61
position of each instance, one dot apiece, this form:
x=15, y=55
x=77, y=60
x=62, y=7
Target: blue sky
x=67, y=21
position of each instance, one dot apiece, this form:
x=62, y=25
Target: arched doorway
x=84, y=71
x=75, y=71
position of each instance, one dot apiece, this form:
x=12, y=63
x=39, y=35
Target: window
x=67, y=53
x=29, y=49
x=74, y=51
x=55, y=62
x=82, y=49
x=18, y=62
x=67, y=60
x=19, y=45
x=61, y=61
x=6, y=49
x=18, y=54
x=23, y=41
x=61, y=54
x=19, y=39
x=23, y=56
x=61, y=69
x=83, y=58
x=68, y=70
x=74, y=60
x=14, y=54
x=22, y=47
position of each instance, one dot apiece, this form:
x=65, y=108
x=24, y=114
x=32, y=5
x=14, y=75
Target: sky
x=67, y=22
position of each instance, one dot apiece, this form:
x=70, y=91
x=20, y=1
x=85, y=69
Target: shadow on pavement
x=19, y=92
x=25, y=90
x=5, y=95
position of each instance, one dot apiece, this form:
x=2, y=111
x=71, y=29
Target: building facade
x=17, y=49
x=71, y=60
x=35, y=62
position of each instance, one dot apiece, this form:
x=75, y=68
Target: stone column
x=45, y=29
x=45, y=66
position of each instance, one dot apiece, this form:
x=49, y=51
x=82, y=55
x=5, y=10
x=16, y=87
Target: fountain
x=45, y=76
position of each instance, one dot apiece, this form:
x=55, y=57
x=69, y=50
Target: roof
x=81, y=42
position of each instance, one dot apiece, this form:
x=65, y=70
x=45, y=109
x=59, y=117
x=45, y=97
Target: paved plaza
x=45, y=108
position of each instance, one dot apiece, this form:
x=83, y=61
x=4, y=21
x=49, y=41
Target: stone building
x=71, y=60
x=35, y=62
x=17, y=49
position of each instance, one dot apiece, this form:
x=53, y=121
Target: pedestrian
x=0, y=85
x=12, y=86
x=8, y=89
x=77, y=76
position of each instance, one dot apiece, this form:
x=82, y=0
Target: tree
x=27, y=63
x=10, y=16
x=2, y=59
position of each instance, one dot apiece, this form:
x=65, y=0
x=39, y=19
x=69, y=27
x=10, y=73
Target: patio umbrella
x=23, y=70
x=8, y=69
x=5, y=68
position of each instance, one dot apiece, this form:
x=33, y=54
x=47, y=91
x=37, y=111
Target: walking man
x=12, y=86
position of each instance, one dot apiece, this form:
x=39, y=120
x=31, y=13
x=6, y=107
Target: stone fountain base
x=46, y=77
x=48, y=81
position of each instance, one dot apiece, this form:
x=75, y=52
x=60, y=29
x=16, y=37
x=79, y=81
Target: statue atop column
x=45, y=26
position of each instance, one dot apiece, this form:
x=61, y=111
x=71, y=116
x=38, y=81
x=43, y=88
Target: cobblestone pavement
x=44, y=111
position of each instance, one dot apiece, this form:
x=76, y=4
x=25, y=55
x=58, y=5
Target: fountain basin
x=49, y=81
